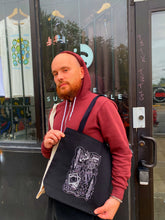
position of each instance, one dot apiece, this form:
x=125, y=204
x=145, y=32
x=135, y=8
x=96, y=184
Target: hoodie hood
x=86, y=82
x=85, y=88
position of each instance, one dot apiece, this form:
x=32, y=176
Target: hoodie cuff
x=45, y=152
x=118, y=193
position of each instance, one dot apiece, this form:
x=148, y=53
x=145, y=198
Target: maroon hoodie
x=103, y=124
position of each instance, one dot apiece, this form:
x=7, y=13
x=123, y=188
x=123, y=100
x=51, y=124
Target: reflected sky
x=158, y=46
x=85, y=13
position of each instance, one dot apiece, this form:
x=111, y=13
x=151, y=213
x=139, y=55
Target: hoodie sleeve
x=114, y=134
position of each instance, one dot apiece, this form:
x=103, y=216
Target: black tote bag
x=80, y=172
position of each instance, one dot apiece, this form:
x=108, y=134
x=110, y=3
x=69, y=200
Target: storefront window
x=158, y=83
x=96, y=30
x=17, y=112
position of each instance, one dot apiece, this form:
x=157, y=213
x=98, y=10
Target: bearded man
x=73, y=85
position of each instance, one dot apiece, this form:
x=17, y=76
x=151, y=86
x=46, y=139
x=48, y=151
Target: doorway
x=150, y=69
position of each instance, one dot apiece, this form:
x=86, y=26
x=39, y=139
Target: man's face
x=68, y=75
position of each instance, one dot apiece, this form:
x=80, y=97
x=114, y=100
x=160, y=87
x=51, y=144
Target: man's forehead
x=65, y=58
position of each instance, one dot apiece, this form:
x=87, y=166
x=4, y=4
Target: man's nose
x=60, y=76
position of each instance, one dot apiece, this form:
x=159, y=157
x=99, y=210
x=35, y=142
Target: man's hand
x=52, y=137
x=108, y=210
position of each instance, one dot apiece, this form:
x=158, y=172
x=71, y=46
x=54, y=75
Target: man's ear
x=82, y=72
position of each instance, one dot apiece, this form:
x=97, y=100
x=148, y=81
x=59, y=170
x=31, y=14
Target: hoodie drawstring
x=72, y=108
x=66, y=104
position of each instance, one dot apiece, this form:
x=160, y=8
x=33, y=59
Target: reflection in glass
x=96, y=31
x=17, y=115
x=158, y=82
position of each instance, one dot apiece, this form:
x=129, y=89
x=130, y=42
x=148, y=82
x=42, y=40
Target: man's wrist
x=119, y=200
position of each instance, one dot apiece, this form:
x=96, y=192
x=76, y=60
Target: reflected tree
x=56, y=36
x=122, y=59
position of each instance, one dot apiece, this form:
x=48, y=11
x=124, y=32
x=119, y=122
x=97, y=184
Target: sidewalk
x=159, y=180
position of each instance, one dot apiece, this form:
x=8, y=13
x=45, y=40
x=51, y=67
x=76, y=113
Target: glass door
x=158, y=83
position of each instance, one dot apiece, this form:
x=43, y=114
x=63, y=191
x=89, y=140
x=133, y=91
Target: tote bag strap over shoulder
x=86, y=115
x=51, y=121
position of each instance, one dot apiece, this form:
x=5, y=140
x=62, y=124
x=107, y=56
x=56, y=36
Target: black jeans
x=60, y=211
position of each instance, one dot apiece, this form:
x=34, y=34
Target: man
x=104, y=124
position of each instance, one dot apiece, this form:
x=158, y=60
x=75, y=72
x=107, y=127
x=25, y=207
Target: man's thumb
x=99, y=210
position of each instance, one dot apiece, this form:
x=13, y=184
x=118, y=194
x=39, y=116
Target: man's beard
x=71, y=93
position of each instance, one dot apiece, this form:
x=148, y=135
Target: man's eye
x=65, y=70
x=55, y=74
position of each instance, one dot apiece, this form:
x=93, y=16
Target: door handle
x=143, y=162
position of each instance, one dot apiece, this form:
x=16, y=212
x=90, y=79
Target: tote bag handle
x=86, y=115
x=51, y=120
